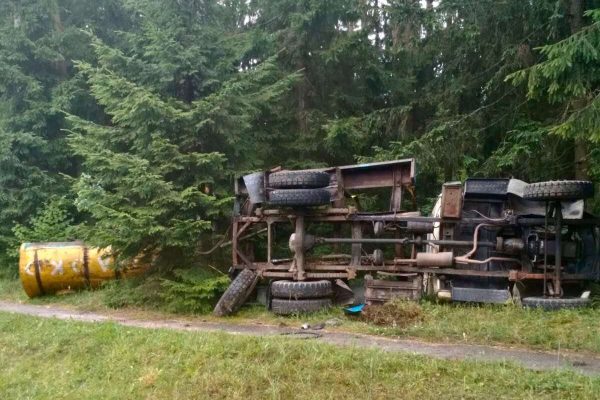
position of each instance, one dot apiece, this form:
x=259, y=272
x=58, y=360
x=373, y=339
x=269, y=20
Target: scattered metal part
x=302, y=334
x=334, y=322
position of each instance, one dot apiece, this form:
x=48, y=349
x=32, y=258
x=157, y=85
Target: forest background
x=124, y=122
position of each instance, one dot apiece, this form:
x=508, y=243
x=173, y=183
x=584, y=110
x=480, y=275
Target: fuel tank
x=47, y=268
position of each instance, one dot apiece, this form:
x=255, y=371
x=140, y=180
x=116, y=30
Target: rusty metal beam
x=356, y=244
x=299, y=250
x=452, y=271
x=407, y=241
x=328, y=275
x=244, y=258
x=327, y=211
x=309, y=275
x=515, y=275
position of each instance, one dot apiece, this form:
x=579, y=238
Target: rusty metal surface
x=452, y=200
x=381, y=291
x=452, y=271
x=515, y=275
x=404, y=230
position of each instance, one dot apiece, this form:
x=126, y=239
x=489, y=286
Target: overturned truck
x=487, y=240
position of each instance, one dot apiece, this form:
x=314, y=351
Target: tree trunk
x=188, y=89
x=301, y=106
x=54, y=14
x=575, y=17
x=16, y=15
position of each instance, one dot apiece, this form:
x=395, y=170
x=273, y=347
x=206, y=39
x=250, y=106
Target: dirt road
x=587, y=364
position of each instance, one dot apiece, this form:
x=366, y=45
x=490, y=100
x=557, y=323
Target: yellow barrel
x=46, y=268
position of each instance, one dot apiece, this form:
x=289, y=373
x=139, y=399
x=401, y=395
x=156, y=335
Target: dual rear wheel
x=297, y=297
x=299, y=189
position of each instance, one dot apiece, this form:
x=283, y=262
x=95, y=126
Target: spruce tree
x=179, y=118
x=38, y=41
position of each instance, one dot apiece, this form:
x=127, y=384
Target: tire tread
x=288, y=307
x=550, y=303
x=237, y=293
x=559, y=190
x=298, y=179
x=285, y=289
x=299, y=197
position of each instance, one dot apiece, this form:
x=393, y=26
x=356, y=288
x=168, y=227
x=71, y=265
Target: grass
x=10, y=288
x=457, y=322
x=467, y=323
x=41, y=359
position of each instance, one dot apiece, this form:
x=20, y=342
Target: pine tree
x=38, y=40
x=569, y=77
x=179, y=118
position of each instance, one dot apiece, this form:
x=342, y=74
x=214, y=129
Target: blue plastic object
x=354, y=309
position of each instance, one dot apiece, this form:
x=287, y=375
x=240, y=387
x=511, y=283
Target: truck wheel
x=298, y=179
x=299, y=197
x=559, y=190
x=301, y=290
x=551, y=303
x=237, y=293
x=287, y=307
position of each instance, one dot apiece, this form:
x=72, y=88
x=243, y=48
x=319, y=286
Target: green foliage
x=570, y=75
x=38, y=41
x=136, y=292
x=54, y=223
x=187, y=290
x=193, y=290
x=123, y=122
x=529, y=148
x=150, y=173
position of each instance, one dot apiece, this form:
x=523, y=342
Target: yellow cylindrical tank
x=47, y=268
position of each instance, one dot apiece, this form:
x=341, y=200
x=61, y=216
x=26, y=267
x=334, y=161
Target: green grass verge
x=42, y=359
x=466, y=323
x=10, y=287
x=457, y=322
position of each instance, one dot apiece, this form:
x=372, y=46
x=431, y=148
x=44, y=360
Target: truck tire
x=287, y=307
x=559, y=190
x=552, y=303
x=301, y=290
x=237, y=293
x=298, y=179
x=299, y=197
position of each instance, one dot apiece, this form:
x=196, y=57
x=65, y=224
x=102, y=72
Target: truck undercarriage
x=487, y=240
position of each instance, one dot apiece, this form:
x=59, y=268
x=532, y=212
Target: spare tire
x=554, y=303
x=299, y=197
x=301, y=290
x=298, y=179
x=237, y=293
x=559, y=190
x=287, y=307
